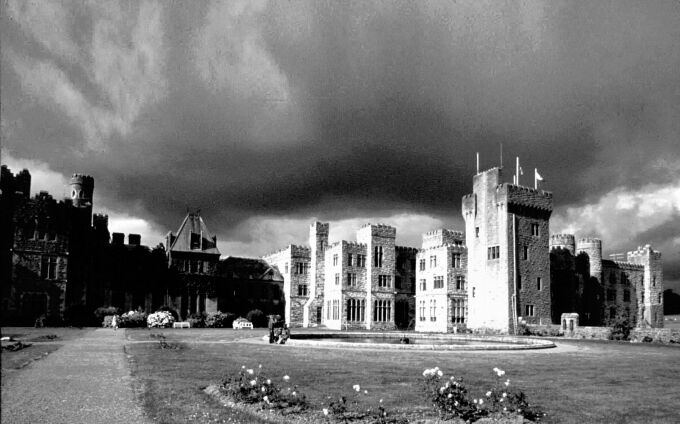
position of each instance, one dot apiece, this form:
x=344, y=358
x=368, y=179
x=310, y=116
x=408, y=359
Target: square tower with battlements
x=507, y=237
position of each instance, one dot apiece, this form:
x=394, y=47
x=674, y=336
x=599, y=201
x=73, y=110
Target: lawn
x=42, y=341
x=580, y=381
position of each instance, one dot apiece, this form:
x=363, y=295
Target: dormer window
x=195, y=241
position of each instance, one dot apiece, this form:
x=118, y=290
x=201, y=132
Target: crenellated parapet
x=563, y=241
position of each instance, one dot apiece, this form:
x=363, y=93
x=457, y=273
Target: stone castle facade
x=503, y=270
x=367, y=284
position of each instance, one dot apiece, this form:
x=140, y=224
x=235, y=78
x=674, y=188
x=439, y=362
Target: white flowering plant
x=451, y=400
x=449, y=396
x=503, y=398
x=350, y=408
x=252, y=385
x=160, y=319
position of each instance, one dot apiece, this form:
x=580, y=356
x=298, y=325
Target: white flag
x=537, y=175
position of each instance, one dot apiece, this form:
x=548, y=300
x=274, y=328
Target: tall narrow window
x=455, y=260
x=535, y=230
x=433, y=310
x=525, y=252
x=433, y=261
x=421, y=310
x=349, y=260
x=477, y=232
x=539, y=283
x=439, y=282
x=337, y=279
x=286, y=268
x=48, y=268
x=529, y=309
x=460, y=282
x=335, y=259
x=422, y=264
x=423, y=285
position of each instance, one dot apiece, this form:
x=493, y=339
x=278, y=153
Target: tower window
x=349, y=259
x=433, y=261
x=535, y=230
x=422, y=264
x=477, y=232
x=529, y=310
x=539, y=283
x=335, y=259
x=302, y=289
x=48, y=268
x=626, y=295
x=460, y=282
x=378, y=256
x=337, y=279
x=493, y=252
x=519, y=282
x=195, y=241
x=455, y=260
x=525, y=252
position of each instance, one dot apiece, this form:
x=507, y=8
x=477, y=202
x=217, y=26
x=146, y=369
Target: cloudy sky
x=268, y=115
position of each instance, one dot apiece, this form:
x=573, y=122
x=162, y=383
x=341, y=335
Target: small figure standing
x=114, y=322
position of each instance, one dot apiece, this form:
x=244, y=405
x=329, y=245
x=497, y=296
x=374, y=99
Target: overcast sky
x=268, y=115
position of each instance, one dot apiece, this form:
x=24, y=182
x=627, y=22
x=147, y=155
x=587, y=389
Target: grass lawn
x=43, y=341
x=580, y=381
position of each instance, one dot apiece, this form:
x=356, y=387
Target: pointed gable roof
x=193, y=236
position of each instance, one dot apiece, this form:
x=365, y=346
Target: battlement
x=623, y=265
x=645, y=251
x=589, y=241
x=291, y=249
x=81, y=178
x=563, y=241
x=378, y=230
x=353, y=244
x=442, y=236
x=320, y=227
x=525, y=196
x=406, y=250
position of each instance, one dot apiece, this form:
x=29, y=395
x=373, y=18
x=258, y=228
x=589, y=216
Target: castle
x=503, y=270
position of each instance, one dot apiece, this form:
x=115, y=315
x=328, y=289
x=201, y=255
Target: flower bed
x=160, y=319
x=254, y=392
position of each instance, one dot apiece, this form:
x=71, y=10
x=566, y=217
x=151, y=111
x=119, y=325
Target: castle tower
x=380, y=269
x=593, y=248
x=507, y=233
x=563, y=241
x=318, y=240
x=650, y=295
x=82, y=190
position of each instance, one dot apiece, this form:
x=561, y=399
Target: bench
x=182, y=324
x=241, y=325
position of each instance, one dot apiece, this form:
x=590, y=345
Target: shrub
x=621, y=327
x=170, y=309
x=197, y=320
x=257, y=317
x=254, y=386
x=348, y=409
x=219, y=319
x=162, y=319
x=108, y=321
x=450, y=398
x=103, y=311
x=132, y=319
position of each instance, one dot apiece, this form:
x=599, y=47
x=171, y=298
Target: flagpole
x=478, y=162
x=501, y=155
x=535, y=178
x=517, y=172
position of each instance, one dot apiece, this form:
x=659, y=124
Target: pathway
x=86, y=381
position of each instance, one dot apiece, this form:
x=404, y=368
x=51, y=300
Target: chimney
x=117, y=238
x=134, y=239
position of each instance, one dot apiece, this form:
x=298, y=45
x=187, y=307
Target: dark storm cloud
x=335, y=109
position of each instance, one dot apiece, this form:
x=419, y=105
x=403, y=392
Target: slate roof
x=248, y=269
x=203, y=241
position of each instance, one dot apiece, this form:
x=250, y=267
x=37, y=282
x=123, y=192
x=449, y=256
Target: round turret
x=593, y=248
x=563, y=241
x=82, y=189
